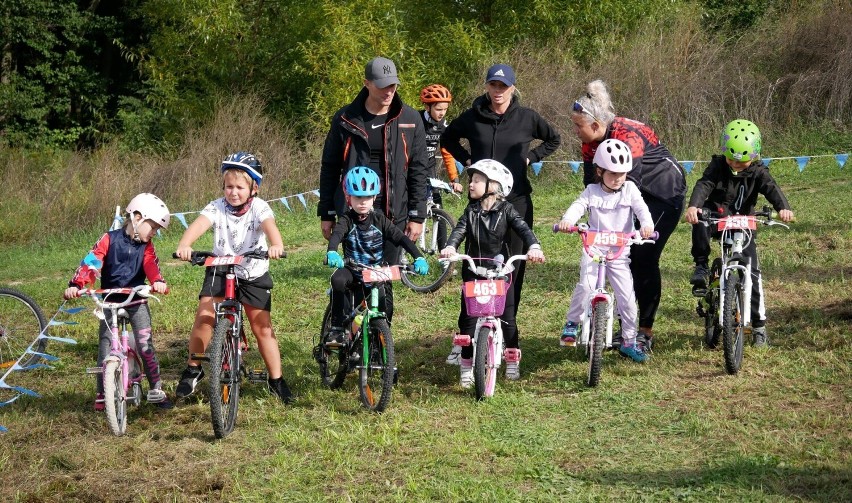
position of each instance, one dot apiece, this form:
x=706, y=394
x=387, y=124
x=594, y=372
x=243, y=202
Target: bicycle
x=21, y=319
x=436, y=228
x=121, y=370
x=370, y=353
x=596, y=335
x=725, y=304
x=486, y=299
x=225, y=351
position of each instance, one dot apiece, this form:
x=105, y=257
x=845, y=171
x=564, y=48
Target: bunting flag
x=688, y=166
x=182, y=219
x=117, y=220
x=301, y=198
x=19, y=391
x=536, y=167
x=285, y=203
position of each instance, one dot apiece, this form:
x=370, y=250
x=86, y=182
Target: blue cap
x=502, y=73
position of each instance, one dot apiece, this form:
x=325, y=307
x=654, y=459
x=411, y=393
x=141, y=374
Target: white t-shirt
x=612, y=211
x=236, y=235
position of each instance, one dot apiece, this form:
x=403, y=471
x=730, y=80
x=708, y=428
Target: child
x=127, y=257
x=436, y=99
x=730, y=184
x=242, y=222
x=483, y=226
x=363, y=233
x=611, y=204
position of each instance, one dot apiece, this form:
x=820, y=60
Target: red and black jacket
x=406, y=172
x=126, y=263
x=655, y=170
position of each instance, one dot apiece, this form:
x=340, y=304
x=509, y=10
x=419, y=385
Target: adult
x=381, y=132
x=658, y=175
x=497, y=127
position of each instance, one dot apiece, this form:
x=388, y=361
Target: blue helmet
x=362, y=181
x=246, y=162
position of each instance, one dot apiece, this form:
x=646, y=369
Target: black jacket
x=484, y=232
x=720, y=189
x=406, y=174
x=505, y=138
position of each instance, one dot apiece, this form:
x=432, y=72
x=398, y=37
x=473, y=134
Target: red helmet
x=435, y=93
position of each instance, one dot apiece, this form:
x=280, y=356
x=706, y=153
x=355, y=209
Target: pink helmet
x=150, y=207
x=614, y=155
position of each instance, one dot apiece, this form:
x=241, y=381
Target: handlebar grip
x=555, y=227
x=654, y=236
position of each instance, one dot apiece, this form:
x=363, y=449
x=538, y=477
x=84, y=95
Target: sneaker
x=699, y=276
x=188, y=380
x=569, y=334
x=465, y=372
x=100, y=404
x=156, y=395
x=336, y=338
x=279, y=387
x=454, y=356
x=513, y=363
x=645, y=341
x=759, y=337
x=634, y=351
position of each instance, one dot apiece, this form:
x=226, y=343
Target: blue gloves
x=421, y=267
x=333, y=260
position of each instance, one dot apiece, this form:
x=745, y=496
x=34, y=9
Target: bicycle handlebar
x=709, y=216
x=198, y=257
x=635, y=237
x=140, y=291
x=505, y=268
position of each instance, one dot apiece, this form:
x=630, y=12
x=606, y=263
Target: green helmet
x=741, y=141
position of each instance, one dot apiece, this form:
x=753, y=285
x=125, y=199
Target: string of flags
x=801, y=161
x=33, y=355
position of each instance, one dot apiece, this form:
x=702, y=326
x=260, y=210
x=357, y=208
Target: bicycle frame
x=489, y=295
x=434, y=184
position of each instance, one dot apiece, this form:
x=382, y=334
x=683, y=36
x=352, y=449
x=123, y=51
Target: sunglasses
x=581, y=109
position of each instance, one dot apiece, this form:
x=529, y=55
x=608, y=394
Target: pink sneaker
x=99, y=402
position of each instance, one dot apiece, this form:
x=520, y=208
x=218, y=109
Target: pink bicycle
x=596, y=334
x=122, y=368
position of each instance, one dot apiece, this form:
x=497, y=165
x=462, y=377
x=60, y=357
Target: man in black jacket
x=381, y=132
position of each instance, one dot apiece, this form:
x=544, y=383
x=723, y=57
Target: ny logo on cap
x=387, y=70
x=500, y=73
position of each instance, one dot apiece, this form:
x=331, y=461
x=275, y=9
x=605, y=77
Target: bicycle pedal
x=257, y=376
x=461, y=340
x=199, y=357
x=699, y=292
x=95, y=370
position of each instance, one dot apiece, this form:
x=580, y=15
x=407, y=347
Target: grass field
x=675, y=429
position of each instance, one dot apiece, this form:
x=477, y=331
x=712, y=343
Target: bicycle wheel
x=712, y=328
x=21, y=321
x=596, y=343
x=377, y=366
x=115, y=399
x=485, y=364
x=333, y=362
x=224, y=378
x=436, y=228
x=733, y=331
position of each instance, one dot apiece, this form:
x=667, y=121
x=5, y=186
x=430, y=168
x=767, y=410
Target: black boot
x=699, y=276
x=279, y=387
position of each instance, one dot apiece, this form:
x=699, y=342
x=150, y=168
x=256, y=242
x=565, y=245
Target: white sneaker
x=156, y=395
x=455, y=356
x=465, y=372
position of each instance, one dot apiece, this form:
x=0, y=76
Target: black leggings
x=645, y=260
x=346, y=291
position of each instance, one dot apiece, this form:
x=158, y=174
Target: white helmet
x=150, y=207
x=494, y=170
x=614, y=155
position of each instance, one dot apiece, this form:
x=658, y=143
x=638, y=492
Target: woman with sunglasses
x=658, y=175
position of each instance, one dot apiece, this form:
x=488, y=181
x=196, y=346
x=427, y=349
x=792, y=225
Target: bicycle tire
x=377, y=367
x=333, y=362
x=21, y=321
x=224, y=378
x=712, y=327
x=439, y=272
x=115, y=399
x=733, y=330
x=596, y=343
x=485, y=364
